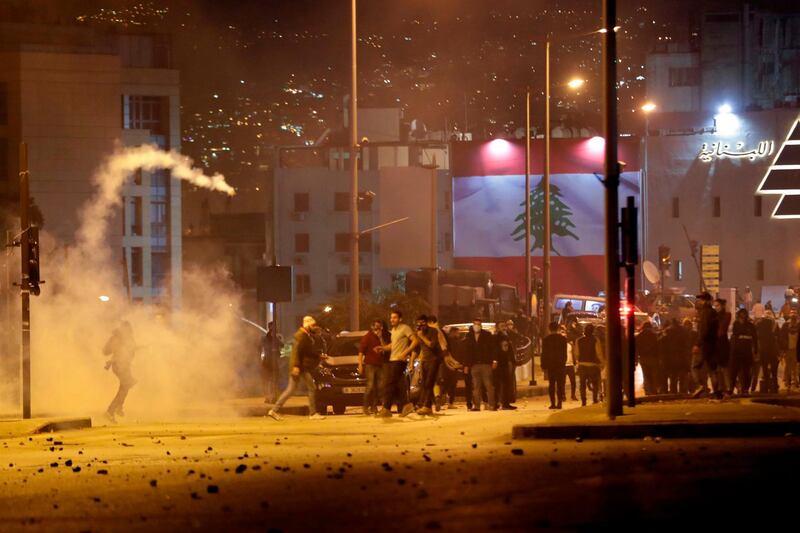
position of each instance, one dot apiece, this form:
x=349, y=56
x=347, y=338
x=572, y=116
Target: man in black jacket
x=480, y=360
x=554, y=360
x=647, y=351
x=305, y=358
x=744, y=348
x=504, y=373
x=704, y=364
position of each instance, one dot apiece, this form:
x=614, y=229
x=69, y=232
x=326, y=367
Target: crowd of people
x=390, y=356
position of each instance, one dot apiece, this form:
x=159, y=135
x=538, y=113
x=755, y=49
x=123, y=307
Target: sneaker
x=272, y=413
x=552, y=406
x=423, y=411
x=407, y=410
x=574, y=398
x=384, y=413
x=696, y=394
x=317, y=416
x=474, y=408
x=510, y=407
x=558, y=406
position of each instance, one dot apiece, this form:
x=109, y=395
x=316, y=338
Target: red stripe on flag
x=502, y=157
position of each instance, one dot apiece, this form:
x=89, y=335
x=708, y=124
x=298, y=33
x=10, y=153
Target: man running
x=120, y=348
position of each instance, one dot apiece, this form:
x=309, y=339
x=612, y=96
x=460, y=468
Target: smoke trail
x=118, y=167
x=186, y=358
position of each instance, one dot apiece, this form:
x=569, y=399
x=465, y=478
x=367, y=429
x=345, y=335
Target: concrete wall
x=675, y=171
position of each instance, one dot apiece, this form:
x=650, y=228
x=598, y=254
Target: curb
x=670, y=430
x=63, y=425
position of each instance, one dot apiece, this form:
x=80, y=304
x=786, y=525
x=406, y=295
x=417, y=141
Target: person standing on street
x=647, y=352
x=589, y=355
x=120, y=350
x=768, y=350
x=704, y=364
x=744, y=349
x=554, y=360
x=479, y=352
x=371, y=360
x=723, y=345
x=504, y=373
x=305, y=359
x=430, y=356
x=402, y=342
x=790, y=347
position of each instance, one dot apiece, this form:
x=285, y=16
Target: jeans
x=372, y=394
x=556, y=382
x=769, y=366
x=569, y=372
x=790, y=369
x=589, y=374
x=482, y=381
x=293, y=382
x=504, y=383
x=126, y=381
x=430, y=373
x=701, y=371
x=395, y=387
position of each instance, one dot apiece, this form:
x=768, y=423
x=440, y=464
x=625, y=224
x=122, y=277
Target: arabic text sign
x=721, y=150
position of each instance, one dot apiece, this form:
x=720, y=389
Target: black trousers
x=430, y=373
x=573, y=386
x=504, y=383
x=126, y=381
x=740, y=368
x=556, y=382
x=395, y=386
x=589, y=375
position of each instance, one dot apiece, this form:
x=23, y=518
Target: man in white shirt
x=395, y=388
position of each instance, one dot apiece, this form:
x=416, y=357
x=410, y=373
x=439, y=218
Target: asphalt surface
x=460, y=471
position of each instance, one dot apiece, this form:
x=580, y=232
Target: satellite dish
x=651, y=272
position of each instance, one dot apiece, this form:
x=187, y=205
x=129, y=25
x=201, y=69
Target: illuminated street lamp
x=576, y=83
x=647, y=108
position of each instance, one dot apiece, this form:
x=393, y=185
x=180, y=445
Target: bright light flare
x=596, y=144
x=726, y=122
x=499, y=148
x=104, y=298
x=576, y=83
x=327, y=309
x=604, y=30
x=648, y=107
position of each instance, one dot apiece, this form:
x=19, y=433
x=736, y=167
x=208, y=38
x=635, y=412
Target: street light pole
x=612, y=171
x=528, y=292
x=354, y=234
x=546, y=187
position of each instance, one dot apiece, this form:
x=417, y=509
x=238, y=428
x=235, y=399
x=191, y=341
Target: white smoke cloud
x=187, y=358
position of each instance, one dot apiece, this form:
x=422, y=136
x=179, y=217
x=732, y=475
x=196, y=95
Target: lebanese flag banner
x=489, y=209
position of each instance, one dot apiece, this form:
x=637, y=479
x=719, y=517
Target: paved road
x=457, y=472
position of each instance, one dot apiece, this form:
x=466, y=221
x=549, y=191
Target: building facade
x=73, y=94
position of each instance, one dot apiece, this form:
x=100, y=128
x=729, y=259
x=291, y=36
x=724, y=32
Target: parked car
x=337, y=379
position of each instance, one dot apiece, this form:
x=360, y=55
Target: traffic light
x=33, y=261
x=664, y=259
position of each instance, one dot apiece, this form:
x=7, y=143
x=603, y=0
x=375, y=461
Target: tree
x=560, y=213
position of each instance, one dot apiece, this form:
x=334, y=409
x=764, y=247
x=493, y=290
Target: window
x=302, y=284
x=717, y=207
x=684, y=77
x=757, y=209
x=301, y=202
x=137, y=267
x=159, y=268
x=343, y=284
x=143, y=113
x=679, y=270
x=135, y=215
x=760, y=270
x=342, y=244
x=302, y=243
x=341, y=201
x=676, y=207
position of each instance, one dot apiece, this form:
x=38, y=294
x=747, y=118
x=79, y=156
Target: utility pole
x=528, y=309
x=612, y=171
x=546, y=186
x=354, y=233
x=434, y=237
x=24, y=217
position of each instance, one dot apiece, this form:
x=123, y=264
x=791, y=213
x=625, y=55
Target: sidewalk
x=13, y=428
x=774, y=415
